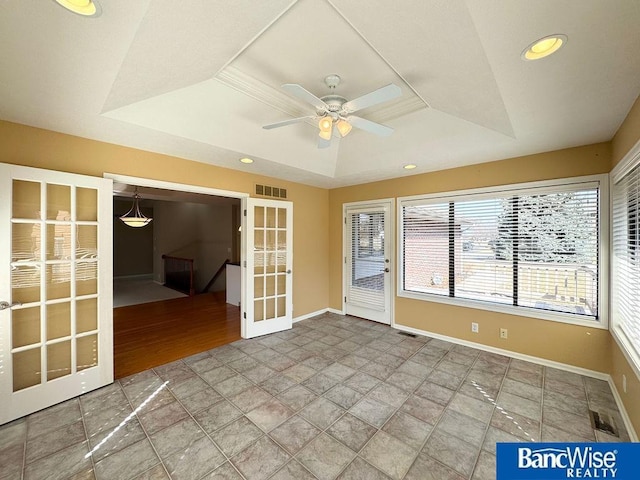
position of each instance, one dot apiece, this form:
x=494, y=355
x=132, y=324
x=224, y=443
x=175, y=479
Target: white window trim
x=628, y=163
x=604, y=207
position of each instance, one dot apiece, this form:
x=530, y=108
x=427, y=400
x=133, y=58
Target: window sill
x=508, y=309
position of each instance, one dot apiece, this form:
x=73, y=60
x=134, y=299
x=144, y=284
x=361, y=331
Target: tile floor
x=336, y=397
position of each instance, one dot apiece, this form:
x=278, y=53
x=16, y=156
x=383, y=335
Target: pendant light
x=134, y=217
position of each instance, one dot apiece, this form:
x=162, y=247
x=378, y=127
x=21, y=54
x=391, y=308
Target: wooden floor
x=152, y=334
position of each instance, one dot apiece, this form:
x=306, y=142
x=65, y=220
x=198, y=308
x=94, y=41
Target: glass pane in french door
x=367, y=279
x=270, y=262
x=54, y=268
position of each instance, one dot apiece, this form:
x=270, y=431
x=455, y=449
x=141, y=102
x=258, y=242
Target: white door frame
x=181, y=187
x=184, y=187
x=389, y=243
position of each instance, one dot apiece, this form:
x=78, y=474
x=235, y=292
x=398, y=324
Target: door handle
x=386, y=270
x=288, y=271
x=4, y=305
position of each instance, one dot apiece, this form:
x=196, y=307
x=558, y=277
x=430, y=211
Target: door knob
x=386, y=270
x=4, y=305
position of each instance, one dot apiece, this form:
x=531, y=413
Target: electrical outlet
x=474, y=327
x=503, y=333
x=624, y=383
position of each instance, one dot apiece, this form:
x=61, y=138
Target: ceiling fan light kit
x=344, y=127
x=325, y=124
x=334, y=110
x=326, y=134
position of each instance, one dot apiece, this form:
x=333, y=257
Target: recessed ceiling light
x=544, y=47
x=246, y=160
x=409, y=166
x=86, y=8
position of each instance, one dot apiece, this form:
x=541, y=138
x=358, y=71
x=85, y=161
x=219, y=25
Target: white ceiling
x=198, y=78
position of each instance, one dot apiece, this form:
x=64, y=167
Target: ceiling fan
x=335, y=111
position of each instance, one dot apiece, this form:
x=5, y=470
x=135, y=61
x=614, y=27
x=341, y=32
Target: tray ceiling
x=198, y=79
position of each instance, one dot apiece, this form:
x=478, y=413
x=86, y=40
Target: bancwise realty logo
x=551, y=461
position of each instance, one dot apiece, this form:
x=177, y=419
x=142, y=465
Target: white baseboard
x=540, y=361
x=316, y=313
x=309, y=315
x=508, y=353
x=623, y=411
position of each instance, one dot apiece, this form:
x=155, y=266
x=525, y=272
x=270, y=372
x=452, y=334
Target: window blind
x=366, y=283
x=625, y=291
x=535, y=248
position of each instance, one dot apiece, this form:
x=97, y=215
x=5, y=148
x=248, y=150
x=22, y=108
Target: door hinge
x=245, y=264
x=245, y=314
x=345, y=299
x=345, y=259
x=245, y=212
x=345, y=220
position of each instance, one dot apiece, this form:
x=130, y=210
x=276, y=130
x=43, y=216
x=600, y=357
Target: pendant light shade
x=134, y=217
x=326, y=134
x=343, y=127
x=326, y=127
x=325, y=124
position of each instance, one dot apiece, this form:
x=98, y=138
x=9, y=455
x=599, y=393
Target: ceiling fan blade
x=286, y=122
x=369, y=126
x=304, y=94
x=380, y=95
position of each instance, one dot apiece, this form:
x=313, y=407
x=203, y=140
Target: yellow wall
x=318, y=232
x=630, y=399
x=626, y=137
x=574, y=345
x=39, y=148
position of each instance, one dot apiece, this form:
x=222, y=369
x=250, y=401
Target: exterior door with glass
x=367, y=260
x=56, y=339
x=267, y=276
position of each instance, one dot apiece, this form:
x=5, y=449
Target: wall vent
x=273, y=192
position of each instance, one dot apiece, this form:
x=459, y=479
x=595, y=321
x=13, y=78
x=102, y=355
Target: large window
x=530, y=247
x=625, y=288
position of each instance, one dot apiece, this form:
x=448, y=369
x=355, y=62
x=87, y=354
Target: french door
x=368, y=275
x=268, y=278
x=56, y=338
